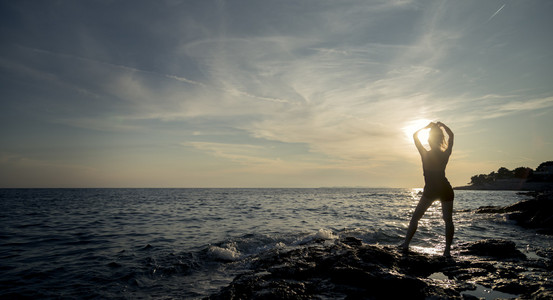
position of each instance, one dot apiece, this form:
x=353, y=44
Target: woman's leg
x=424, y=204
x=447, y=214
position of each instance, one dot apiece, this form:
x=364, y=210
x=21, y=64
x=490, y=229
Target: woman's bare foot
x=403, y=247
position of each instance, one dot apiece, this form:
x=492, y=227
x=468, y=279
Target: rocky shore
x=536, y=213
x=349, y=269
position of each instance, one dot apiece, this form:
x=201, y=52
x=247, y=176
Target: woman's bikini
x=436, y=185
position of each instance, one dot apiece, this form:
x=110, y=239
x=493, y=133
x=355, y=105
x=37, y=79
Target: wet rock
x=348, y=269
x=536, y=213
x=495, y=248
x=546, y=253
x=352, y=241
x=285, y=289
x=470, y=297
x=513, y=286
x=342, y=270
x=490, y=210
x=470, y=273
x=543, y=293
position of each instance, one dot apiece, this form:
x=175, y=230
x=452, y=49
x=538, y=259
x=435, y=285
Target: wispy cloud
x=241, y=153
x=527, y=105
x=335, y=81
x=344, y=102
x=496, y=12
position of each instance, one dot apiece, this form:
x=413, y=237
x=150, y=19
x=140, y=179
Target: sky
x=249, y=93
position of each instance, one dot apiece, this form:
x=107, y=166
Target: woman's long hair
x=436, y=138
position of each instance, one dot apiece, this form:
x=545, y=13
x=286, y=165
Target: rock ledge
x=348, y=268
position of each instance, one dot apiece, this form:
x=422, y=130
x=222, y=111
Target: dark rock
x=469, y=273
x=525, y=205
x=494, y=248
x=513, y=286
x=351, y=276
x=543, y=293
x=547, y=253
x=423, y=265
x=535, y=213
x=490, y=210
x=284, y=289
x=352, y=241
x=348, y=269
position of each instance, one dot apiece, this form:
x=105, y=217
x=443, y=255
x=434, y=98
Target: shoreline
x=348, y=268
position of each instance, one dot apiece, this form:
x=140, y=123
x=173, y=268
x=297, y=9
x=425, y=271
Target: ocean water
x=188, y=243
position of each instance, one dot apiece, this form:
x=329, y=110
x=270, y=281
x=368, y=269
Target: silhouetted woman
x=436, y=185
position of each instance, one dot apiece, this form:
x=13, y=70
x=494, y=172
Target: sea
x=189, y=243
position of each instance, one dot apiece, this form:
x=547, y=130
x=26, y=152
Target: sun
x=414, y=125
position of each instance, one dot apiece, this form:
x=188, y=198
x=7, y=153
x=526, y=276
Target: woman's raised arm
x=418, y=143
x=449, y=133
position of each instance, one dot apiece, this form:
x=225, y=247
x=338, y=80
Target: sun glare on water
x=412, y=126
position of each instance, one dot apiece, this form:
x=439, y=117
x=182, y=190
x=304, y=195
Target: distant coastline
x=509, y=185
x=519, y=179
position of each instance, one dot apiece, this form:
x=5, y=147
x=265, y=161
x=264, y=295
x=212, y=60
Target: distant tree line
x=544, y=172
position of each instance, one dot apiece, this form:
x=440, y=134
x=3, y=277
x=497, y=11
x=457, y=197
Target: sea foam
x=230, y=253
x=325, y=234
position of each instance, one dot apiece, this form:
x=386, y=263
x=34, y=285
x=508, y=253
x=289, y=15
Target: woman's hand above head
x=442, y=125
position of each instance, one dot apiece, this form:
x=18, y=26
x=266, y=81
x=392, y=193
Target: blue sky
x=268, y=93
